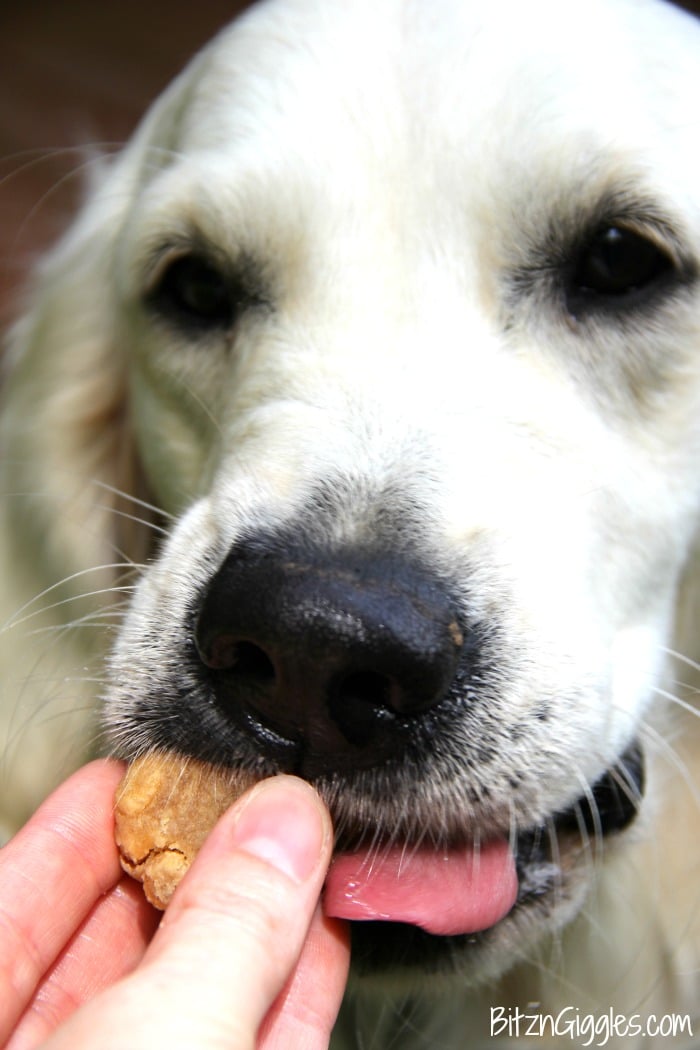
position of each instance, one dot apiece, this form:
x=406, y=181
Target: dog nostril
x=242, y=658
x=327, y=658
x=253, y=662
x=364, y=687
x=359, y=702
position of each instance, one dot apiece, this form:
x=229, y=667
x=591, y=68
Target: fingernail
x=283, y=824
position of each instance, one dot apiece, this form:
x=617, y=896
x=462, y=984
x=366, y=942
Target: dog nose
x=334, y=655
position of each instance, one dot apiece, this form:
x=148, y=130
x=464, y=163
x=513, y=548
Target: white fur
x=389, y=167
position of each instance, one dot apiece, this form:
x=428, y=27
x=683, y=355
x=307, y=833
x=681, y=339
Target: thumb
x=232, y=935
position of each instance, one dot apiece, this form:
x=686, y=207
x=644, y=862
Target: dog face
x=418, y=350
x=410, y=300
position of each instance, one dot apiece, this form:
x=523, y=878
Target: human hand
x=243, y=957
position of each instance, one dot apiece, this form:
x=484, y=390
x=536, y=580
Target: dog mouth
x=344, y=661
x=418, y=905
x=445, y=892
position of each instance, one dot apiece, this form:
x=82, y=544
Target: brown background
x=75, y=72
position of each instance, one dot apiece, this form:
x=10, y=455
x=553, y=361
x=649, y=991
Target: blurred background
x=73, y=72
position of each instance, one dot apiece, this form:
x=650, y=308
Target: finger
x=231, y=936
x=306, y=1010
x=281, y=839
x=51, y=875
x=109, y=944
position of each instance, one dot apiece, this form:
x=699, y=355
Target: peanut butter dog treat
x=165, y=807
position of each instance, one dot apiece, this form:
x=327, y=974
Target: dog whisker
x=129, y=497
x=19, y=617
x=68, y=601
x=150, y=525
x=682, y=658
x=678, y=701
x=388, y=447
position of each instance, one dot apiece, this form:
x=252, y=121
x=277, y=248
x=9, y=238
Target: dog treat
x=165, y=807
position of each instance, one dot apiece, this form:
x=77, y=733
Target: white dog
x=362, y=404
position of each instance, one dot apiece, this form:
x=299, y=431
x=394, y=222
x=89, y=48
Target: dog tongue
x=445, y=892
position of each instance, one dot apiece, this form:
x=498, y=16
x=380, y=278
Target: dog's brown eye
x=617, y=262
x=192, y=291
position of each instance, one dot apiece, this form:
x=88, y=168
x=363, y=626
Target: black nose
x=335, y=655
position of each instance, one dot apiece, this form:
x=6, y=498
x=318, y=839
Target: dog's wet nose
x=334, y=655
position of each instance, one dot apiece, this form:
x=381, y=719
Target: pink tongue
x=445, y=892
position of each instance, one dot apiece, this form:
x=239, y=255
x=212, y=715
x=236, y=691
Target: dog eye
x=192, y=291
x=618, y=262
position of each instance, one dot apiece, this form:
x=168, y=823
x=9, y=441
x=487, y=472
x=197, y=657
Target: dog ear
x=70, y=479
x=63, y=416
x=65, y=424
x=65, y=450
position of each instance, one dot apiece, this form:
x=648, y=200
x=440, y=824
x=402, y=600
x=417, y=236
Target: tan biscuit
x=165, y=807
